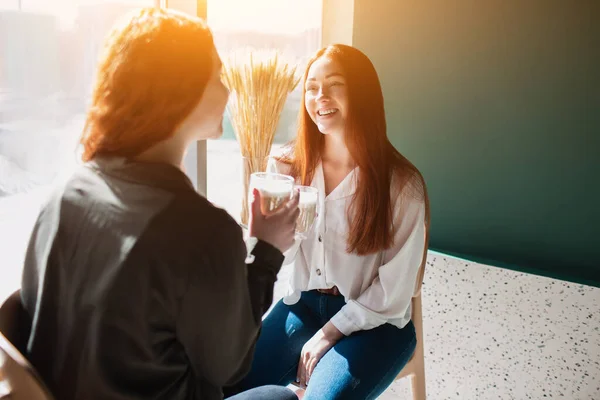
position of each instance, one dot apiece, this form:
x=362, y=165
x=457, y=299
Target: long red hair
x=152, y=73
x=370, y=216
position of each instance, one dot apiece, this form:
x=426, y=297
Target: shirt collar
x=346, y=188
x=160, y=175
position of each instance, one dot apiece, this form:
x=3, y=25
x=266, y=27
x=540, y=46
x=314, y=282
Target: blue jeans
x=265, y=393
x=360, y=366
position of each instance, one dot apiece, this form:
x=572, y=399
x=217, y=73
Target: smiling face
x=326, y=96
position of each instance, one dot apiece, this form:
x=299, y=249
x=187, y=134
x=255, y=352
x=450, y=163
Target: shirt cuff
x=343, y=322
x=292, y=297
x=267, y=255
x=353, y=317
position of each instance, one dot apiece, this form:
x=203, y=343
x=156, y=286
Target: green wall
x=498, y=103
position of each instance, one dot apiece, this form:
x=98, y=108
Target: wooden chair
x=18, y=379
x=415, y=368
x=14, y=321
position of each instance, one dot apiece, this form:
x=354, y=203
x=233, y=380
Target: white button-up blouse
x=378, y=287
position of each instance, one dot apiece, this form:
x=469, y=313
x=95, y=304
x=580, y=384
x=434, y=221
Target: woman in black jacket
x=138, y=287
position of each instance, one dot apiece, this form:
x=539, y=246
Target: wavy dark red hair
x=370, y=216
x=152, y=73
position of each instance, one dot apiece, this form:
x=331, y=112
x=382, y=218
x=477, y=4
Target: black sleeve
x=262, y=274
x=221, y=311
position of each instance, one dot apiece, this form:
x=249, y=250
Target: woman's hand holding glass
x=273, y=209
x=274, y=190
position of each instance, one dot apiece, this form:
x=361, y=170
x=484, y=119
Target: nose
x=225, y=89
x=323, y=93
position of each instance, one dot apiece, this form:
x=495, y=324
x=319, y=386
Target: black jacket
x=138, y=287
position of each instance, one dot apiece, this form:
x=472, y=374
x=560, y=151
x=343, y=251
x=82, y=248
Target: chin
x=326, y=130
x=215, y=134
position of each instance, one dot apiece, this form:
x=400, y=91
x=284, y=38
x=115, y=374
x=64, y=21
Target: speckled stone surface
x=497, y=334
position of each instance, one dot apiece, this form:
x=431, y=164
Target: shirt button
x=320, y=238
x=318, y=272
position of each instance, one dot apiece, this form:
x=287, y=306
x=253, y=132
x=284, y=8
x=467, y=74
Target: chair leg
x=418, y=375
x=418, y=386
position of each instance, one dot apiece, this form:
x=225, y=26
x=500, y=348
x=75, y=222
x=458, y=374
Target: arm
x=288, y=256
x=388, y=296
x=262, y=274
x=390, y=293
x=220, y=315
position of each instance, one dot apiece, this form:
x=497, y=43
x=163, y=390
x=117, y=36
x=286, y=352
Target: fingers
x=293, y=203
x=255, y=210
x=295, y=213
x=289, y=209
x=306, y=367
x=300, y=374
x=309, y=369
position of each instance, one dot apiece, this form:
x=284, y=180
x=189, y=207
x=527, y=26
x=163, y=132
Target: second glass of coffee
x=309, y=200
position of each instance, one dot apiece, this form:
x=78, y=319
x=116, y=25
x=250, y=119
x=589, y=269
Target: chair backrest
x=14, y=321
x=18, y=380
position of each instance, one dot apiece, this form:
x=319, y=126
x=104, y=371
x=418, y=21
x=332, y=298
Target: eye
x=336, y=84
x=311, y=89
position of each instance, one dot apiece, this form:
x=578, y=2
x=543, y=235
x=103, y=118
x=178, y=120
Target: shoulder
x=408, y=183
x=197, y=223
x=198, y=241
x=197, y=208
x=409, y=198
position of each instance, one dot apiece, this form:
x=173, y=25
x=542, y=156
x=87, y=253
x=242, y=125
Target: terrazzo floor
x=497, y=334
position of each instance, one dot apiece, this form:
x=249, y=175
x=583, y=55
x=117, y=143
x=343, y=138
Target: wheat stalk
x=259, y=83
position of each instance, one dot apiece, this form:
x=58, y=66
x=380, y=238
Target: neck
x=171, y=151
x=336, y=152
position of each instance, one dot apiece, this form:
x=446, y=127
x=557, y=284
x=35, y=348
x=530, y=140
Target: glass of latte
x=275, y=189
x=309, y=200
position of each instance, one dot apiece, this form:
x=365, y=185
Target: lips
x=325, y=112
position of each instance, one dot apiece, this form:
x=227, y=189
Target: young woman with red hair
x=136, y=286
x=344, y=331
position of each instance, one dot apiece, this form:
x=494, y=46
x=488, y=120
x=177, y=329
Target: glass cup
x=309, y=204
x=275, y=189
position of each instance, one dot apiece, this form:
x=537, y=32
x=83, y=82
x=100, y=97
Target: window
x=48, y=54
x=292, y=27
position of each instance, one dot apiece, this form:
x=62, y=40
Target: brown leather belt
x=334, y=291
